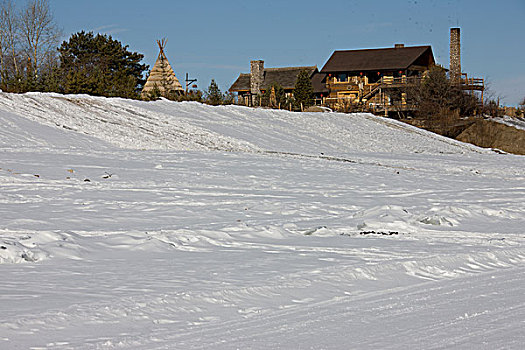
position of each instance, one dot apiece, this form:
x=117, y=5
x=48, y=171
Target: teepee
x=162, y=76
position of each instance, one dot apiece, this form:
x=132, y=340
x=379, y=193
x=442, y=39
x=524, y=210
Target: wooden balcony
x=377, y=96
x=472, y=83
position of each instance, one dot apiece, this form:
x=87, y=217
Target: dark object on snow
x=389, y=233
x=87, y=180
x=28, y=258
x=3, y=247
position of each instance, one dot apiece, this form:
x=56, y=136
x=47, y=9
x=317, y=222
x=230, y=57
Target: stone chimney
x=256, y=76
x=399, y=46
x=455, y=55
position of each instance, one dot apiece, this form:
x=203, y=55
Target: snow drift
x=161, y=225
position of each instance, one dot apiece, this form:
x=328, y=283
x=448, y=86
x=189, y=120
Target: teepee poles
x=162, y=80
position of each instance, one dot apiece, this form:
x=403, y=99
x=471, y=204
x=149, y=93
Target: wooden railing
x=472, y=83
x=363, y=99
x=389, y=80
x=373, y=90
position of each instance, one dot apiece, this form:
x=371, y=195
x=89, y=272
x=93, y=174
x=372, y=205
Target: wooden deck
x=371, y=97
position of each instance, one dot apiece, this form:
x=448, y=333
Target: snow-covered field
x=162, y=225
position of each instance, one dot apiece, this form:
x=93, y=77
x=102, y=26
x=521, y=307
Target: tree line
x=33, y=59
x=28, y=41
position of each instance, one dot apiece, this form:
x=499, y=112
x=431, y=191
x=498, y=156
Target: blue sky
x=217, y=39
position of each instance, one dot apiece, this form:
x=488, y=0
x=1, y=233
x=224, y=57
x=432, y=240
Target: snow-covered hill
x=166, y=125
x=162, y=225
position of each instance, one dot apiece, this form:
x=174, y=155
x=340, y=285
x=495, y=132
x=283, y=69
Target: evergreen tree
x=100, y=65
x=213, y=94
x=280, y=96
x=303, y=91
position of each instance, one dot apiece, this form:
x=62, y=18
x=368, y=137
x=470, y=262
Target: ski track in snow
x=162, y=225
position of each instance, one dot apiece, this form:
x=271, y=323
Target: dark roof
x=242, y=83
x=318, y=83
x=286, y=77
x=378, y=59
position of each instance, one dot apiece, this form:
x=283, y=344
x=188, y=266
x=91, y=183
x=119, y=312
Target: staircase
x=373, y=90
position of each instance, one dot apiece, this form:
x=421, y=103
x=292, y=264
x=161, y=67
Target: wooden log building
x=376, y=80
x=373, y=78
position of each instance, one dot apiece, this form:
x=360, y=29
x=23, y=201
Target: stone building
x=249, y=86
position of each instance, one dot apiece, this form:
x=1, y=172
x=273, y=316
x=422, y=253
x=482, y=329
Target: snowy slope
x=516, y=122
x=193, y=126
x=135, y=225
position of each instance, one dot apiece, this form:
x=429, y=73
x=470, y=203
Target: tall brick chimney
x=455, y=55
x=256, y=76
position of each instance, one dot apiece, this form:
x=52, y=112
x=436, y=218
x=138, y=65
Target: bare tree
x=39, y=32
x=9, y=32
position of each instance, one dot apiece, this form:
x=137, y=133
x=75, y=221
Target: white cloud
x=110, y=29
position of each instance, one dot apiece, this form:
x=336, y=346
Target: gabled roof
x=242, y=83
x=286, y=77
x=378, y=59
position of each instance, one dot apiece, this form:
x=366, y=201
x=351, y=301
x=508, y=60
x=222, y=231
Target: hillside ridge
x=183, y=126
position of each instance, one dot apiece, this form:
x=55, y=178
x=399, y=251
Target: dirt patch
x=490, y=134
x=449, y=127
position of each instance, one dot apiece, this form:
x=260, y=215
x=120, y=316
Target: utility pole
x=189, y=82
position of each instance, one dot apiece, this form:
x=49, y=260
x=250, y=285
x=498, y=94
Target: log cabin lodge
x=375, y=80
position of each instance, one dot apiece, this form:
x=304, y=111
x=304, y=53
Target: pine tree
x=100, y=65
x=303, y=91
x=213, y=94
x=280, y=96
